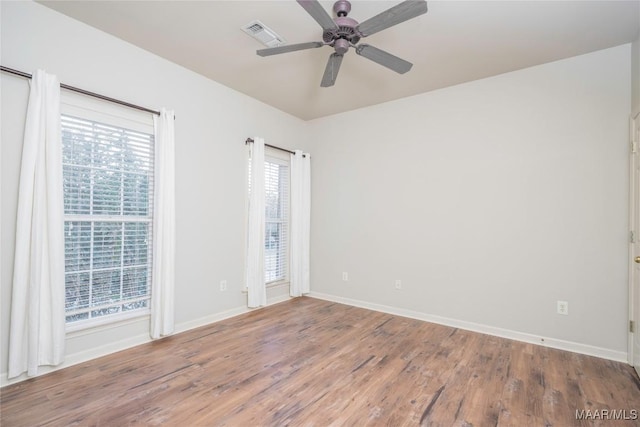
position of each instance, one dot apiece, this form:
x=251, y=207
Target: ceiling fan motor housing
x=346, y=34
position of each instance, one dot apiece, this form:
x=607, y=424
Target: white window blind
x=276, y=219
x=276, y=241
x=108, y=187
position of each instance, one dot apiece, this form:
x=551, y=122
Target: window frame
x=281, y=158
x=99, y=111
x=274, y=155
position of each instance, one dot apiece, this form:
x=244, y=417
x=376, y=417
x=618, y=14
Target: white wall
x=490, y=200
x=212, y=124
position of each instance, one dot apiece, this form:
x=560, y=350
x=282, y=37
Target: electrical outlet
x=563, y=308
x=223, y=285
x=398, y=284
x=345, y=276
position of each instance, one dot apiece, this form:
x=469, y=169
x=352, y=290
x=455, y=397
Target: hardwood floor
x=310, y=362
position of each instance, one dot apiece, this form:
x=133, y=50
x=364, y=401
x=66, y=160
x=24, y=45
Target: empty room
x=320, y=213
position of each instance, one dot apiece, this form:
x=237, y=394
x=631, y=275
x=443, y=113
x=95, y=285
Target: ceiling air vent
x=263, y=34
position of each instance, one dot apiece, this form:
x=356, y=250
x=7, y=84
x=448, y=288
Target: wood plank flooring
x=308, y=362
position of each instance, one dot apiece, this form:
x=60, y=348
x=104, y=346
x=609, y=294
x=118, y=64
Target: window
x=276, y=239
x=108, y=187
x=276, y=243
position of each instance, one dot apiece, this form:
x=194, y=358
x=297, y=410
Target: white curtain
x=163, y=275
x=37, y=332
x=256, y=288
x=300, y=222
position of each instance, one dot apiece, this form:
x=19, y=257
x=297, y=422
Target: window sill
x=97, y=325
x=271, y=285
x=277, y=284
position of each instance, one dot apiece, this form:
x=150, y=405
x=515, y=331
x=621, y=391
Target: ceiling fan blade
x=383, y=58
x=318, y=13
x=399, y=13
x=288, y=48
x=331, y=71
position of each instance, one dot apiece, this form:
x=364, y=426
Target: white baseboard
x=94, y=353
x=207, y=320
x=604, y=353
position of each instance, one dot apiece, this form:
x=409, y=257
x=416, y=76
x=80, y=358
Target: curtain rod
x=250, y=140
x=82, y=91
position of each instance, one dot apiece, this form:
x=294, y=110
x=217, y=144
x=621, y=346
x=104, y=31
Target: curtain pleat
x=163, y=275
x=37, y=331
x=254, y=276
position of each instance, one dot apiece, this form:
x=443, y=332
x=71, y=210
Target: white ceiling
x=455, y=42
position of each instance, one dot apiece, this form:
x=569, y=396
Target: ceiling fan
x=343, y=32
